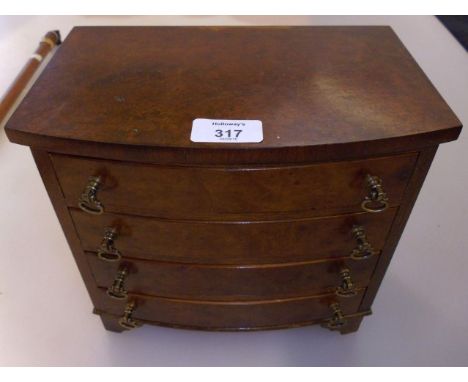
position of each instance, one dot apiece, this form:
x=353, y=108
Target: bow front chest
x=233, y=178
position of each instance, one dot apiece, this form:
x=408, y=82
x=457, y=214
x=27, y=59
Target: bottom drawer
x=211, y=315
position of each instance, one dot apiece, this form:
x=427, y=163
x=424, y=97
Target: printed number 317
x=227, y=133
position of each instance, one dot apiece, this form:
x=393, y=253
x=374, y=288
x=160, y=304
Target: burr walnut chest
x=233, y=178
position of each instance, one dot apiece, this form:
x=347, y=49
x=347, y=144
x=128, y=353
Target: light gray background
x=420, y=314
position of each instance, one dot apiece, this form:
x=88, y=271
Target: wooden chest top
x=311, y=87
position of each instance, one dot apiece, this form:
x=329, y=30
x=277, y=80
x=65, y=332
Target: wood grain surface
x=244, y=236
x=309, y=85
x=219, y=193
x=243, y=243
x=243, y=315
x=232, y=283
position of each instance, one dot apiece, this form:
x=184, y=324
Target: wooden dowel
x=46, y=45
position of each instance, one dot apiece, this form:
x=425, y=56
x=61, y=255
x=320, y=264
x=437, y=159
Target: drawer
x=211, y=242
x=232, y=283
x=230, y=315
x=231, y=193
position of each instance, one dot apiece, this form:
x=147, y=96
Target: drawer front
x=206, y=242
x=250, y=193
x=231, y=315
x=231, y=283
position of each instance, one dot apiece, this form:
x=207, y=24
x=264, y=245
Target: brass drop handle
x=337, y=320
x=88, y=201
x=364, y=249
x=377, y=200
x=117, y=289
x=106, y=250
x=347, y=288
x=127, y=321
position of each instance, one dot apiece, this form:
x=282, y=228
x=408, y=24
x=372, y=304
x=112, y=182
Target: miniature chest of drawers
x=296, y=229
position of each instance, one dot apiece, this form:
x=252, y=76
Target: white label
x=226, y=131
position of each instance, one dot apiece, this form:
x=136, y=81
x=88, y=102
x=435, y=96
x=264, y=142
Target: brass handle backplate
x=337, y=321
x=117, y=289
x=88, y=201
x=364, y=249
x=347, y=288
x=106, y=250
x=377, y=200
x=127, y=321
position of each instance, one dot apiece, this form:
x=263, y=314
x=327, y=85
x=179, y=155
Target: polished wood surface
x=218, y=242
x=240, y=315
x=235, y=282
x=46, y=170
x=311, y=86
x=205, y=193
x=422, y=167
x=111, y=323
x=237, y=237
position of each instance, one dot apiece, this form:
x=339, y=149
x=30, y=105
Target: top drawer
x=248, y=193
